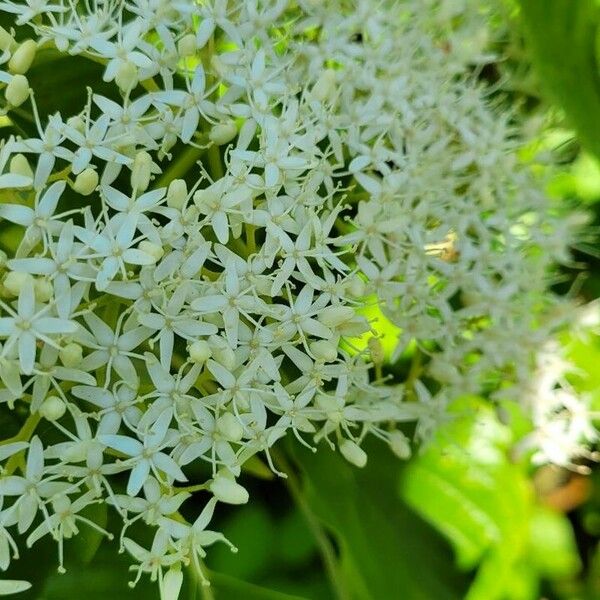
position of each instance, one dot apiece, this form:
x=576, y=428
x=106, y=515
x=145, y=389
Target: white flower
x=28, y=324
x=147, y=456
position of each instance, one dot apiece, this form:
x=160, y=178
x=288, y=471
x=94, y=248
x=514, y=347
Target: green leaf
x=251, y=529
x=105, y=577
x=466, y=485
x=65, y=91
x=224, y=587
x=553, y=550
x=83, y=547
x=562, y=36
x=385, y=550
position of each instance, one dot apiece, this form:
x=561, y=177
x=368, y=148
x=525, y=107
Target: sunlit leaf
x=467, y=486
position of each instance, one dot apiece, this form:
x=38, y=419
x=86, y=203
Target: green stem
x=180, y=166
x=25, y=433
x=214, y=162
x=326, y=549
x=250, y=238
x=414, y=372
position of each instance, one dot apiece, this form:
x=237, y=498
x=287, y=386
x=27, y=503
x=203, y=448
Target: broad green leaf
x=553, y=551
x=562, y=37
x=107, y=576
x=466, y=485
x=83, y=547
x=385, y=550
x=252, y=531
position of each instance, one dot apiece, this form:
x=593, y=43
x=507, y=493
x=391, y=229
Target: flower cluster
x=204, y=257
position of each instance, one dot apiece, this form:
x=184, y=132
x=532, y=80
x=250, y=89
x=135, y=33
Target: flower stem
x=328, y=555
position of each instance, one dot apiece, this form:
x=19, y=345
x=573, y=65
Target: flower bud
x=61, y=43
x=325, y=85
x=177, y=193
x=200, y=351
x=153, y=250
x=353, y=453
x=324, y=350
x=170, y=585
x=14, y=282
x=187, y=45
x=77, y=123
x=127, y=76
x=52, y=408
x=71, y=355
x=22, y=58
x=19, y=165
x=228, y=490
x=6, y=40
x=141, y=171
x=443, y=371
x=356, y=286
x=399, y=445
x=376, y=350
x=86, y=182
x=332, y=316
x=222, y=133
x=225, y=356
x=43, y=290
x=229, y=426
x=17, y=91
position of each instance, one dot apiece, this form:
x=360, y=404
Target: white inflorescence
x=200, y=256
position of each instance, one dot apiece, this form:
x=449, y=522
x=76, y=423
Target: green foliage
x=385, y=550
x=563, y=39
x=467, y=486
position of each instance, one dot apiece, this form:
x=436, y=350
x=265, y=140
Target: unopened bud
x=356, y=286
x=225, y=356
x=223, y=133
x=332, y=316
x=14, y=282
x=6, y=40
x=324, y=350
x=325, y=85
x=19, y=165
x=153, y=250
x=71, y=355
x=228, y=490
x=443, y=371
x=52, y=408
x=399, y=445
x=187, y=45
x=177, y=193
x=230, y=428
x=200, y=351
x=170, y=585
x=86, y=182
x=376, y=350
x=77, y=123
x=353, y=453
x=22, y=57
x=127, y=76
x=141, y=171
x=43, y=290
x=17, y=90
